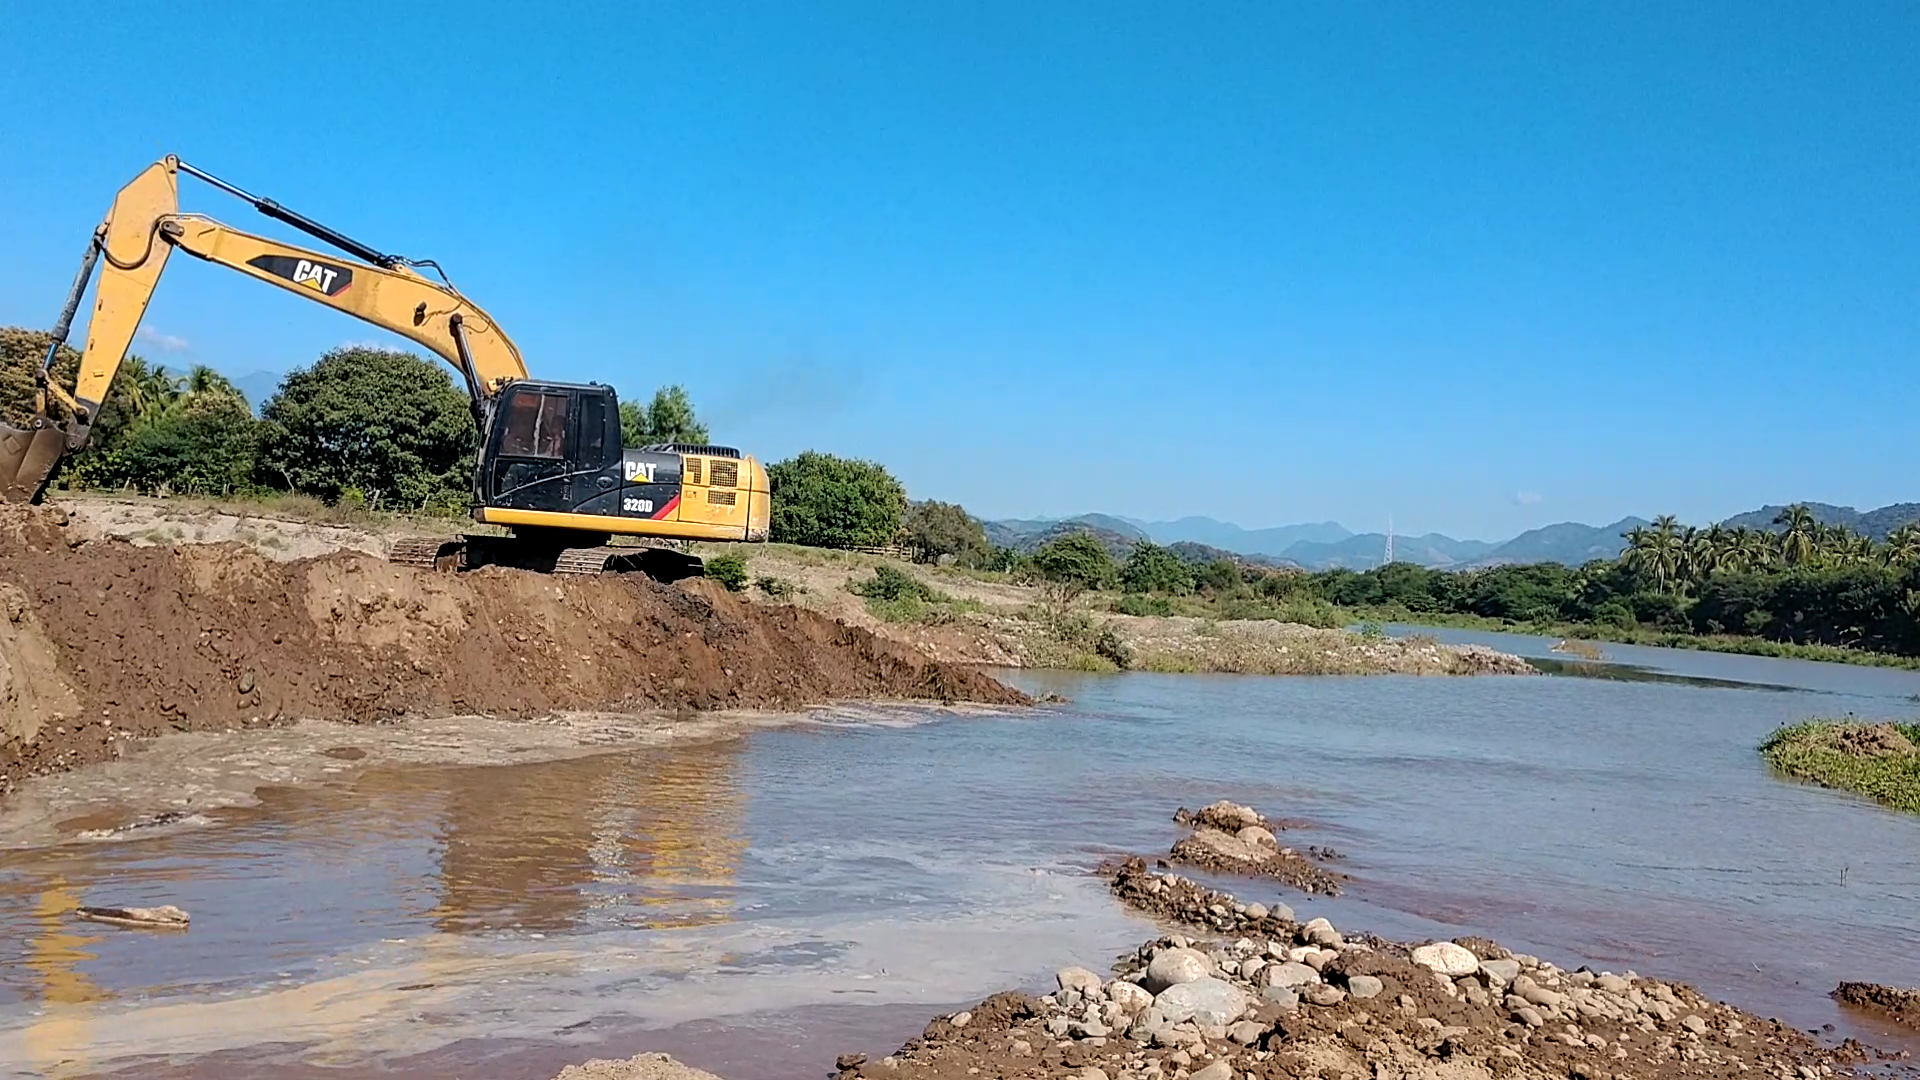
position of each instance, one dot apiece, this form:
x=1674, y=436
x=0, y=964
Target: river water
x=760, y=904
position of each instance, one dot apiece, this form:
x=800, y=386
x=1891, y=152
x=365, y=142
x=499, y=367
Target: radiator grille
x=725, y=474
x=716, y=497
x=692, y=472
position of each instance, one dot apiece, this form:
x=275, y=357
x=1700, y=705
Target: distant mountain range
x=1327, y=545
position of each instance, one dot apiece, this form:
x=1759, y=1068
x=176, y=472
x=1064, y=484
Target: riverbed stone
x=1500, y=972
x=1321, y=932
x=1529, y=1016
x=1283, y=996
x=1207, y=1001
x=1256, y=911
x=1612, y=984
x=1254, y=834
x=1447, y=958
x=1219, y=1070
x=1129, y=996
x=1290, y=974
x=1246, y=1032
x=1323, y=995
x=1080, y=979
x=1171, y=967
x=1250, y=970
x=1695, y=1024
x=1365, y=986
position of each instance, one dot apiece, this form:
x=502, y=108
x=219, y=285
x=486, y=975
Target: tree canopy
x=825, y=501
x=388, y=426
x=938, y=529
x=668, y=418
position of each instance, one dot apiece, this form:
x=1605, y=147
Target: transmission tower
x=1389, y=555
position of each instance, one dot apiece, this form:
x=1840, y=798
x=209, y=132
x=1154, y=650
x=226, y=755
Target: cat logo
x=323, y=278
x=638, y=470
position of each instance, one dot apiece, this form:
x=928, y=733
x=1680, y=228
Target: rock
x=1613, y=984
x=1447, y=958
x=1529, y=1016
x=1246, y=1032
x=1250, y=970
x=1229, y=811
x=165, y=917
x=1175, y=966
x=1283, y=996
x=1128, y=996
x=1318, y=961
x=1079, y=978
x=1289, y=974
x=1695, y=1024
x=1323, y=995
x=1500, y=972
x=1543, y=997
x=960, y=1019
x=1256, y=911
x=1321, y=932
x=1254, y=834
x=1087, y=1029
x=1219, y=1070
x=1281, y=912
x=1091, y=1072
x=1207, y=1001
x=1057, y=1027
x=1365, y=986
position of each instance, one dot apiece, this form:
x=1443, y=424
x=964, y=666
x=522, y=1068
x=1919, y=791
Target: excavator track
x=427, y=551
x=592, y=561
x=457, y=553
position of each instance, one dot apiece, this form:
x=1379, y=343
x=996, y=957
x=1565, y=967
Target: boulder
x=1171, y=967
x=1289, y=974
x=1206, y=1001
x=1128, y=996
x=1447, y=958
x=1079, y=978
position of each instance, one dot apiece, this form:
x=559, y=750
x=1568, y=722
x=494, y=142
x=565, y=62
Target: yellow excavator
x=551, y=467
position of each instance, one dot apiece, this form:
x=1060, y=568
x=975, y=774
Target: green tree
x=389, y=425
x=938, y=529
x=1151, y=568
x=1799, y=534
x=825, y=501
x=1072, y=564
x=668, y=418
x=205, y=444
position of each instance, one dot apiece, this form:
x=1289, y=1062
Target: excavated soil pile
x=101, y=640
x=1305, y=1002
x=1232, y=839
x=1902, y=1006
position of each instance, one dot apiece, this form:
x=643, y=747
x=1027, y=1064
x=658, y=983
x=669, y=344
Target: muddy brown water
x=760, y=904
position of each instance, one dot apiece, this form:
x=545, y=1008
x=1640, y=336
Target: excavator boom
x=131, y=247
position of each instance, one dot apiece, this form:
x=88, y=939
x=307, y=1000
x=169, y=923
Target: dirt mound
x=1289, y=1001
x=1870, y=740
x=147, y=639
x=1891, y=1002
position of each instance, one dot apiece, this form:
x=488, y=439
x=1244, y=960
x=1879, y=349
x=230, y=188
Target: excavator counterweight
x=549, y=463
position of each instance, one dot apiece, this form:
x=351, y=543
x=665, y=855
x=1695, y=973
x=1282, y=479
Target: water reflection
x=640, y=840
x=54, y=952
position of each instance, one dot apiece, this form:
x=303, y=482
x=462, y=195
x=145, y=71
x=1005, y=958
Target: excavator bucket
x=27, y=460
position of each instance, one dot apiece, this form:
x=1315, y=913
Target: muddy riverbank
x=105, y=641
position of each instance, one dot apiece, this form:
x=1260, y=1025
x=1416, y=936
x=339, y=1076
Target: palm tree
x=1903, y=546
x=1800, y=534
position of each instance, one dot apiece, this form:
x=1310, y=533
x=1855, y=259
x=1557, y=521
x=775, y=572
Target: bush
x=1072, y=564
x=889, y=583
x=1109, y=645
x=820, y=500
x=729, y=570
x=1151, y=568
x=1136, y=604
x=778, y=588
x=389, y=423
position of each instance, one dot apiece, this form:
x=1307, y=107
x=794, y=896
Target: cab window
x=536, y=426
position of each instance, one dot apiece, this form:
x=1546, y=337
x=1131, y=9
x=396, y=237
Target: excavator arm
x=131, y=248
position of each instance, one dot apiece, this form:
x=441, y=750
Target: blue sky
x=1480, y=267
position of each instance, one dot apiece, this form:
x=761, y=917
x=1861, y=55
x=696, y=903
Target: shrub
x=1137, y=604
x=890, y=583
x=1109, y=645
x=778, y=588
x=820, y=500
x=729, y=570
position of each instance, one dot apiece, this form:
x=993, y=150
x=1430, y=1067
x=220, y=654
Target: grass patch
x=893, y=595
x=1879, y=761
